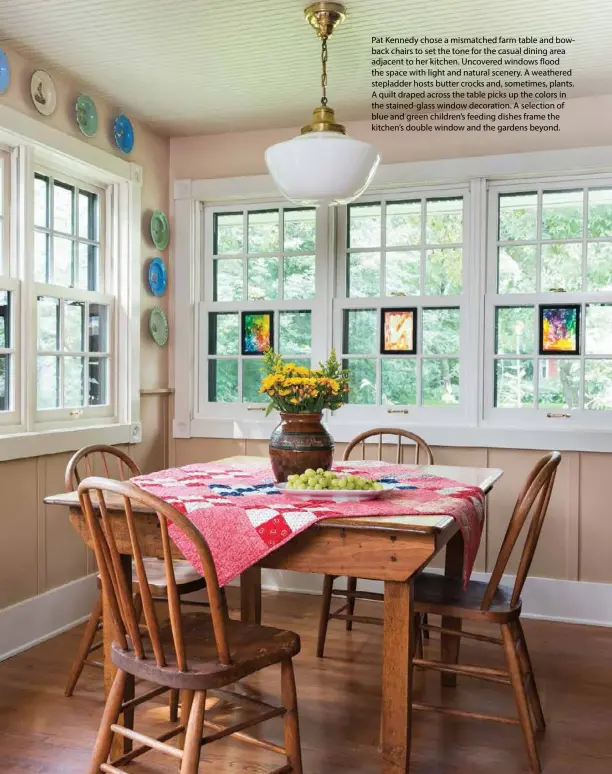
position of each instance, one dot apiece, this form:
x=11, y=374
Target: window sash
x=73, y=237
x=379, y=412
x=66, y=417
x=204, y=282
x=536, y=417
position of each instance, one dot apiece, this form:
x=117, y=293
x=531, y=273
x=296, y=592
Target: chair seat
x=187, y=579
x=156, y=575
x=440, y=595
x=253, y=647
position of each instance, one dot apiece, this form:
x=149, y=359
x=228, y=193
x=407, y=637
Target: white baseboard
x=39, y=618
x=576, y=602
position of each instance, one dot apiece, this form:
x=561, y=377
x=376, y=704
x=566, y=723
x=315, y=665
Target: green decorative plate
x=86, y=115
x=160, y=230
x=158, y=326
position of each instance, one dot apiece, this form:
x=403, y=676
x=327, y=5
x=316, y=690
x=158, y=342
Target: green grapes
x=326, y=480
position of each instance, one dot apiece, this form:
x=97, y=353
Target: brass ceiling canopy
x=324, y=17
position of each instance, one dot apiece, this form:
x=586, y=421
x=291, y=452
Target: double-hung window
x=474, y=304
x=73, y=310
x=399, y=305
x=262, y=287
x=548, y=349
x=8, y=298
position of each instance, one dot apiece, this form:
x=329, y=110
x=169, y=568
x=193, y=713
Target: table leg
x=453, y=568
x=120, y=745
x=397, y=677
x=250, y=595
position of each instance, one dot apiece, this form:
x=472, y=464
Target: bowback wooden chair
x=499, y=605
x=421, y=455
x=110, y=461
x=192, y=652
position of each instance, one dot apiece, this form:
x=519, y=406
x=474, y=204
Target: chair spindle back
x=99, y=459
x=533, y=499
x=423, y=454
x=115, y=501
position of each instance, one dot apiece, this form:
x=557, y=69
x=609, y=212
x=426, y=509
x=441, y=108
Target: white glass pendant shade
x=322, y=167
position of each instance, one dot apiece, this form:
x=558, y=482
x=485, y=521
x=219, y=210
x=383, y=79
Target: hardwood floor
x=42, y=732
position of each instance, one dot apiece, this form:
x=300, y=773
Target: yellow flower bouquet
x=294, y=389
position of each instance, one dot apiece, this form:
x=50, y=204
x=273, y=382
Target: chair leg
x=290, y=718
x=518, y=685
x=418, y=636
x=193, y=736
x=328, y=583
x=425, y=623
x=186, y=703
x=84, y=646
x=110, y=715
x=527, y=667
x=351, y=585
x=174, y=705
x=128, y=716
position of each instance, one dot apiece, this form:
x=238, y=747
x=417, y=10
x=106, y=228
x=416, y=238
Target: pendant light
x=322, y=165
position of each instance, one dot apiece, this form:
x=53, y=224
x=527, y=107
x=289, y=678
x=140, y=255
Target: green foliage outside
x=397, y=265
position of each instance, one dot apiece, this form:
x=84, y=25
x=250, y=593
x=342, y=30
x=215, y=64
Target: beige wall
x=585, y=123
x=39, y=549
x=575, y=543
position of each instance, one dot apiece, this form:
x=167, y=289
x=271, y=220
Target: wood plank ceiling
x=204, y=66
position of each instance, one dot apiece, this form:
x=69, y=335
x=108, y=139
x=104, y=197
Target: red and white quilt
x=243, y=517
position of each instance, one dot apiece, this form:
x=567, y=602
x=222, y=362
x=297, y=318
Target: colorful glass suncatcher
x=257, y=332
x=560, y=329
x=398, y=331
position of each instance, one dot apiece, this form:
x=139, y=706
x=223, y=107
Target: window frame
x=535, y=418
x=32, y=146
x=480, y=174
x=414, y=415
x=10, y=418
x=205, y=305
x=54, y=418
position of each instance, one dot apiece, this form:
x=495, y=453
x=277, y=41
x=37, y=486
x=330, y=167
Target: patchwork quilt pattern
x=243, y=517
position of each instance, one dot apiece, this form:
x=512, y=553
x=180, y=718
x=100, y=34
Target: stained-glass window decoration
x=257, y=332
x=398, y=331
x=560, y=329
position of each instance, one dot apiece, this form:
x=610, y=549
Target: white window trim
x=478, y=173
x=414, y=414
x=33, y=145
x=203, y=408
x=583, y=420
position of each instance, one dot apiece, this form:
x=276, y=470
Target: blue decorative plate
x=124, y=133
x=158, y=277
x=5, y=72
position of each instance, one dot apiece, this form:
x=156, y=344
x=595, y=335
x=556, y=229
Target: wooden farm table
x=392, y=549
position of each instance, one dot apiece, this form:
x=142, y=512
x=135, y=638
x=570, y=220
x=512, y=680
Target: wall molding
x=34, y=620
x=546, y=599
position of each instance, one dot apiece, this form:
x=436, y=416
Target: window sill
x=502, y=437
x=40, y=443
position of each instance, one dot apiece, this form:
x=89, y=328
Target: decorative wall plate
x=86, y=115
x=5, y=72
x=42, y=91
x=160, y=230
x=124, y=133
x=158, y=326
x=158, y=277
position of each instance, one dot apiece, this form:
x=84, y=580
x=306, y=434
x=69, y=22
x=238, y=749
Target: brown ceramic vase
x=299, y=442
